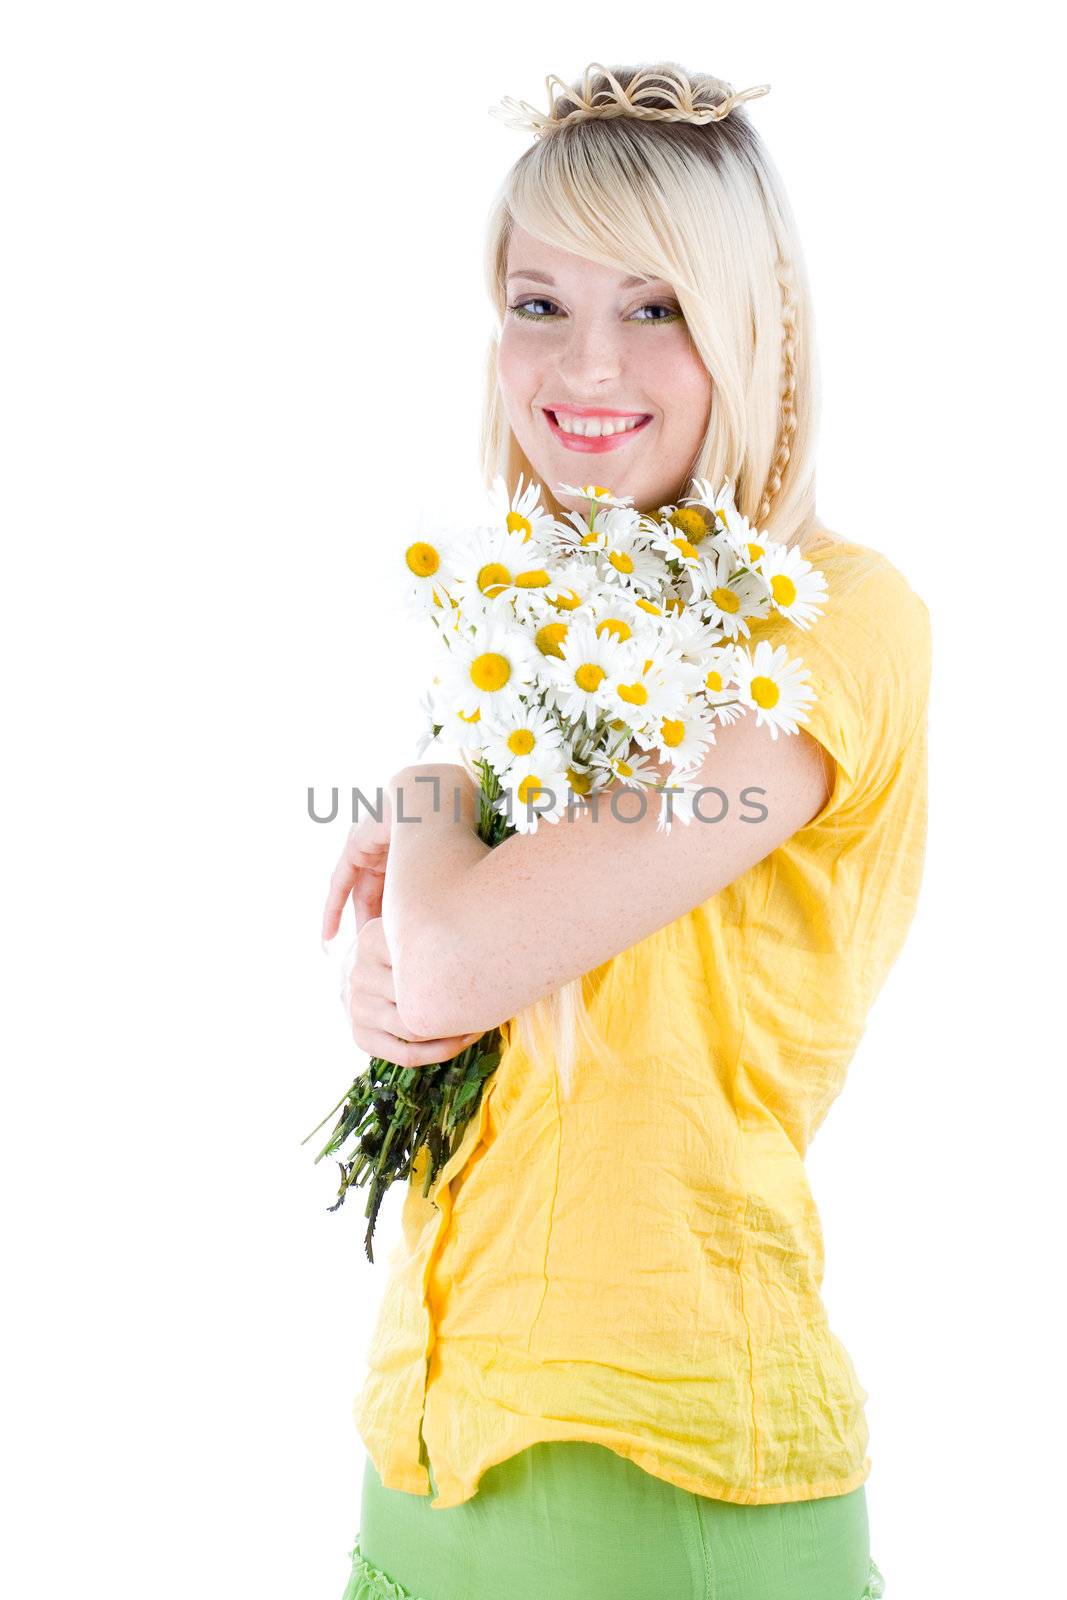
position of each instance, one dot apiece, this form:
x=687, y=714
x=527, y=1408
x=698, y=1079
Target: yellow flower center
x=623, y=768
x=475, y=716
x=536, y=578
x=589, y=676
x=567, y=600
x=755, y=551
x=725, y=599
x=713, y=680
x=646, y=605
x=616, y=625
x=597, y=489
x=783, y=589
x=685, y=548
x=493, y=577
x=617, y=722
x=675, y=603
x=689, y=522
x=580, y=782
x=490, y=671
x=635, y=694
x=422, y=559
x=529, y=788
x=518, y=524
x=764, y=692
x=672, y=731
x=520, y=741
x=549, y=638
x=591, y=537
x=621, y=561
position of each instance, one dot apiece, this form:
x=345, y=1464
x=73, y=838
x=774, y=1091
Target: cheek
x=516, y=368
x=688, y=386
x=670, y=371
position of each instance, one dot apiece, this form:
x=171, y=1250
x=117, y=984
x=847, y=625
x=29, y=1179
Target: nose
x=590, y=359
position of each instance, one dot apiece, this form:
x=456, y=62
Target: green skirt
x=571, y=1520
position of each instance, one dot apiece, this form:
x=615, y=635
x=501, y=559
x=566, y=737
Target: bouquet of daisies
x=575, y=656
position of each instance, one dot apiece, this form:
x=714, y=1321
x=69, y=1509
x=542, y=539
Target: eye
x=673, y=312
x=520, y=309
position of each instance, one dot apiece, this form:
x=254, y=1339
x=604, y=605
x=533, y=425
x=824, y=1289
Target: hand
x=360, y=872
x=370, y=999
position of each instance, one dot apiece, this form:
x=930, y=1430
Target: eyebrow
x=543, y=277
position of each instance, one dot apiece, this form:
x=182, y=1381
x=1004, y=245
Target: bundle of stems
x=391, y=1112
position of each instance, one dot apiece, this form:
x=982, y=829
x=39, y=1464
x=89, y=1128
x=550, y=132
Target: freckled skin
x=591, y=349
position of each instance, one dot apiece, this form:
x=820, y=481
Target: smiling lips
x=590, y=429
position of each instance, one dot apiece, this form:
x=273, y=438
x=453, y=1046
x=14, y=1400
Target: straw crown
x=690, y=103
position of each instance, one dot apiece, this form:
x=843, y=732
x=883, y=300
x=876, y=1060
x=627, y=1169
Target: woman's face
x=581, y=344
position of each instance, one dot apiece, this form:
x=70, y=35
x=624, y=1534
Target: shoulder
x=870, y=598
x=866, y=657
x=852, y=564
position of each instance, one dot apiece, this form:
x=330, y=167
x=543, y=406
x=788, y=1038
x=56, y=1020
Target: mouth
x=590, y=431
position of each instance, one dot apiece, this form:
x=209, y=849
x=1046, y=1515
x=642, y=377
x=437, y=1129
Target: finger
x=356, y=855
x=367, y=897
x=341, y=883
x=405, y=1052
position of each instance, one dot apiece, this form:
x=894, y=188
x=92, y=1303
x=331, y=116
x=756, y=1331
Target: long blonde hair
x=701, y=206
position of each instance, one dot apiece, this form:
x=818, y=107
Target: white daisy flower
x=428, y=576
x=596, y=493
x=529, y=735
x=613, y=610
x=728, y=603
x=578, y=680
x=576, y=581
x=683, y=740
x=461, y=727
x=576, y=534
x=522, y=512
x=487, y=670
x=719, y=667
x=671, y=542
x=430, y=721
x=676, y=803
x=796, y=587
x=774, y=686
x=635, y=771
x=693, y=634
x=746, y=543
x=502, y=573
x=626, y=559
x=720, y=502
x=548, y=632
x=531, y=794
x=651, y=681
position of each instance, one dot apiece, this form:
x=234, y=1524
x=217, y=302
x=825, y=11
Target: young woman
x=602, y=1366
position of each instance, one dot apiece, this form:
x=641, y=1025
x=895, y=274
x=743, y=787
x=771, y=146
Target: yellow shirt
x=640, y=1265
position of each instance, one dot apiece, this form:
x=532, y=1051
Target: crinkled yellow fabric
x=641, y=1265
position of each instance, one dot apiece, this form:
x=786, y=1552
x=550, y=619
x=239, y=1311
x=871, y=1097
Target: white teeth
x=596, y=427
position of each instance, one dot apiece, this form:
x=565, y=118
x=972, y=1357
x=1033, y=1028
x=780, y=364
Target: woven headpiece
x=690, y=103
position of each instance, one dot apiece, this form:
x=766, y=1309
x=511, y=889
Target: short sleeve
x=867, y=657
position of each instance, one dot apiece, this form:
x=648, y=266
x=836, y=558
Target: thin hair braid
x=784, y=274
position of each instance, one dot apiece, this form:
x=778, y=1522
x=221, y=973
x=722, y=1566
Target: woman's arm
x=475, y=934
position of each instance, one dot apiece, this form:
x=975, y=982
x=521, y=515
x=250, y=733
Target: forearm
x=433, y=844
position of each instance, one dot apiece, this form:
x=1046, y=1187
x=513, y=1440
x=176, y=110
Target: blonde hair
x=631, y=170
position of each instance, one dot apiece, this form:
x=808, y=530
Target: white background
x=242, y=346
